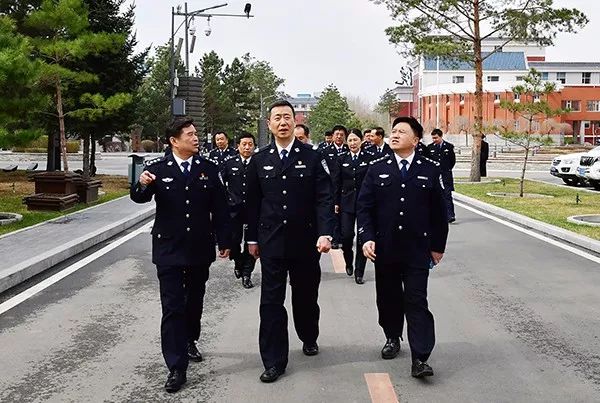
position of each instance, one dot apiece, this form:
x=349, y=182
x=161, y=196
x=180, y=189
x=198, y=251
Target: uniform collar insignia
x=170, y=163
x=272, y=150
x=297, y=149
x=418, y=161
x=389, y=161
x=197, y=161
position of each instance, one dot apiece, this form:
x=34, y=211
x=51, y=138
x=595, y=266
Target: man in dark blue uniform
x=327, y=142
x=234, y=171
x=290, y=222
x=191, y=208
x=379, y=147
x=352, y=167
x=443, y=152
x=403, y=227
x=222, y=149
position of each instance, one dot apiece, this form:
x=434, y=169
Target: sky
x=313, y=43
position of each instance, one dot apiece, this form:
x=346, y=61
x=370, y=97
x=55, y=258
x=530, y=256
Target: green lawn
x=11, y=198
x=552, y=211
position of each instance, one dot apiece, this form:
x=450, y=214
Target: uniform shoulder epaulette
x=385, y=157
x=209, y=160
x=437, y=164
x=263, y=149
x=229, y=157
x=154, y=161
x=367, y=151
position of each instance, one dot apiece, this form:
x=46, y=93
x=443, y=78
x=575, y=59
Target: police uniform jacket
x=349, y=179
x=385, y=150
x=444, y=154
x=235, y=177
x=183, y=232
x=219, y=156
x=291, y=205
x=421, y=149
x=405, y=217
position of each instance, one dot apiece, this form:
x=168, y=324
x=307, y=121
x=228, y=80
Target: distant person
x=443, y=152
x=379, y=147
x=191, y=207
x=327, y=141
x=222, y=149
x=339, y=139
x=403, y=228
x=485, y=155
x=302, y=133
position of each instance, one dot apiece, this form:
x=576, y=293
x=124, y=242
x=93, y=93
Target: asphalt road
x=517, y=320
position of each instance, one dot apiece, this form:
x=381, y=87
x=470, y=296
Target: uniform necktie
x=354, y=157
x=403, y=168
x=185, y=165
x=245, y=163
x=284, y=157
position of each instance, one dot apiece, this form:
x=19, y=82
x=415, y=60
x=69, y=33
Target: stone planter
x=9, y=218
x=87, y=191
x=56, y=182
x=592, y=220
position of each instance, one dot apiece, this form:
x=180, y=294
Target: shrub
x=73, y=146
x=148, y=146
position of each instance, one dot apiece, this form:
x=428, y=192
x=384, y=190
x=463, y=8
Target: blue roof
x=498, y=61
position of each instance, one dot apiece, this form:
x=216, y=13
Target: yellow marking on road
x=381, y=388
x=337, y=260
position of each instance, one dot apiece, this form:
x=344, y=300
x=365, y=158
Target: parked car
x=589, y=167
x=566, y=167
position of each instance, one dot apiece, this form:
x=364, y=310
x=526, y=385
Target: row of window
x=575, y=106
x=586, y=78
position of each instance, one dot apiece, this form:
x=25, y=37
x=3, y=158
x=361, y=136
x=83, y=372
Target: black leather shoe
x=310, y=349
x=175, y=381
x=349, y=270
x=246, y=282
x=193, y=353
x=451, y=220
x=237, y=273
x=391, y=348
x=421, y=369
x=359, y=280
x=271, y=374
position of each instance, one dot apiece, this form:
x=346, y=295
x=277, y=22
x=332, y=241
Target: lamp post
x=178, y=103
x=262, y=124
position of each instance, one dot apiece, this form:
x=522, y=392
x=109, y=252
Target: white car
x=589, y=167
x=566, y=167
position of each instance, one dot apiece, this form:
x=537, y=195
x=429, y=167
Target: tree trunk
x=93, y=158
x=478, y=132
x=522, y=180
x=61, y=125
x=86, y=157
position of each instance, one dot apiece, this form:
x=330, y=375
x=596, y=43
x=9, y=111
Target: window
x=493, y=78
x=586, y=78
x=516, y=97
x=458, y=79
x=496, y=98
x=562, y=77
x=462, y=98
x=498, y=48
x=544, y=76
x=520, y=78
x=517, y=125
x=536, y=98
x=586, y=125
x=573, y=106
x=593, y=106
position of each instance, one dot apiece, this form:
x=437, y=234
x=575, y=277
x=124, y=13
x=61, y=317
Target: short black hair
x=305, y=128
x=246, y=135
x=412, y=122
x=328, y=133
x=368, y=129
x=176, y=126
x=437, y=132
x=356, y=132
x=221, y=132
x=281, y=102
x=379, y=131
x=340, y=127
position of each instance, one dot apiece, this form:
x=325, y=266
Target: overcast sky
x=312, y=43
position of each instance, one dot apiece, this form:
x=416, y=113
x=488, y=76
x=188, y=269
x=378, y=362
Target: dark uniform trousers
x=289, y=205
x=191, y=210
x=244, y=261
x=406, y=219
x=347, y=221
x=444, y=154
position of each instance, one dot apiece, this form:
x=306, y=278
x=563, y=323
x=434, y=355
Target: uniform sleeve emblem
x=325, y=167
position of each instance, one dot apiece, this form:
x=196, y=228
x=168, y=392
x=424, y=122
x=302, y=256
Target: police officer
x=352, y=167
x=190, y=199
x=290, y=221
x=378, y=147
x=403, y=228
x=327, y=142
x=421, y=149
x=443, y=152
x=302, y=134
x=339, y=139
x=222, y=149
x=484, y=156
x=234, y=171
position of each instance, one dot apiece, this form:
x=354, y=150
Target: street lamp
x=262, y=124
x=191, y=30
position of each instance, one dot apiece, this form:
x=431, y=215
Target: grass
x=552, y=211
x=15, y=185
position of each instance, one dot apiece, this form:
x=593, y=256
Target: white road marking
x=19, y=298
x=531, y=233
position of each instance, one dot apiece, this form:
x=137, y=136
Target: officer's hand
x=253, y=250
x=323, y=244
x=369, y=250
x=436, y=257
x=337, y=209
x=224, y=253
x=147, y=178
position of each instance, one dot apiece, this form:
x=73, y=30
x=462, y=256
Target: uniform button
x=402, y=213
x=285, y=221
x=284, y=192
x=400, y=227
x=243, y=192
x=243, y=184
x=158, y=236
x=284, y=177
x=424, y=233
x=187, y=188
x=167, y=188
x=187, y=216
x=284, y=207
x=187, y=202
x=403, y=185
x=402, y=199
x=188, y=229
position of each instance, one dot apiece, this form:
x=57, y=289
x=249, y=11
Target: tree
x=264, y=82
x=18, y=78
x=237, y=91
x=455, y=29
x=61, y=38
x=332, y=109
x=216, y=108
x=531, y=106
x=388, y=104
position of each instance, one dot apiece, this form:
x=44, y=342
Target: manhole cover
x=593, y=220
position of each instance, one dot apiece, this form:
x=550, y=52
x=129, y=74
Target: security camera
x=207, y=31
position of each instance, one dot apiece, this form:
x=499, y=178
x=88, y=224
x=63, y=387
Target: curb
x=37, y=264
x=579, y=241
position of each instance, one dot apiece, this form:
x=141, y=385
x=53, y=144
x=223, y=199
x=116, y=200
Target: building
x=303, y=104
x=444, y=90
